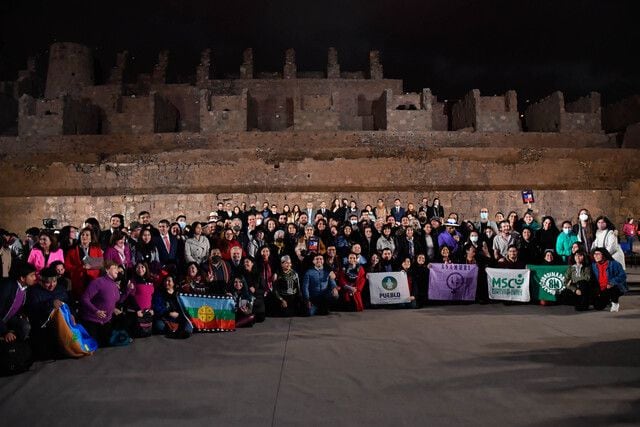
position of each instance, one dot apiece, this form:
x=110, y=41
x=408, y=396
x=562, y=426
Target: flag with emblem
x=389, y=288
x=547, y=281
x=208, y=313
x=508, y=285
x=453, y=282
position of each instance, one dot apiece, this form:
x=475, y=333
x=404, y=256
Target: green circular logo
x=552, y=282
x=389, y=283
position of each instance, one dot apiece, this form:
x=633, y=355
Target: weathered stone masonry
x=92, y=150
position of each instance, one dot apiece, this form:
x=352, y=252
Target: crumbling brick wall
x=61, y=116
x=552, y=114
x=70, y=69
x=463, y=113
x=144, y=115
x=223, y=113
x=487, y=113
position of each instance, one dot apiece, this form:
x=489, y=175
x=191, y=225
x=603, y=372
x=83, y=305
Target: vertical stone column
x=246, y=69
x=511, y=101
x=116, y=77
x=159, y=75
x=333, y=67
x=290, y=70
x=70, y=70
x=204, y=69
x=375, y=67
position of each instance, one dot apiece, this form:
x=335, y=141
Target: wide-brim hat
x=450, y=222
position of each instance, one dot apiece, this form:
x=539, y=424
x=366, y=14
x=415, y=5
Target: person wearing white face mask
x=607, y=237
x=585, y=228
x=482, y=250
x=484, y=222
x=565, y=240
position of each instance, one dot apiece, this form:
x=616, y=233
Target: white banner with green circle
x=508, y=285
x=389, y=288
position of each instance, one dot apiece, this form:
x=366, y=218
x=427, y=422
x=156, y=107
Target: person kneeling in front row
x=611, y=280
x=98, y=304
x=578, y=282
x=319, y=287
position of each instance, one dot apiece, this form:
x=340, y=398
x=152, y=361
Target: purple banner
x=453, y=282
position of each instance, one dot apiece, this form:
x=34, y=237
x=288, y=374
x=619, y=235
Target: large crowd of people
x=288, y=261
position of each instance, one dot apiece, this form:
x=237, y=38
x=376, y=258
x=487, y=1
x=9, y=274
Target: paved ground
x=446, y=365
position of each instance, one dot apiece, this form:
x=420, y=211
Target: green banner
x=546, y=281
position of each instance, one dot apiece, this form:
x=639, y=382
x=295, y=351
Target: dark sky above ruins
x=450, y=46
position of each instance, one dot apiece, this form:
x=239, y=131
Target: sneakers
x=615, y=307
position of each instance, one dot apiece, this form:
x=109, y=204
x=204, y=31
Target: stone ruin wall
x=187, y=173
x=291, y=137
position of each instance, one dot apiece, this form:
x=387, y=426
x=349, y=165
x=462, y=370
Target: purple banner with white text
x=453, y=282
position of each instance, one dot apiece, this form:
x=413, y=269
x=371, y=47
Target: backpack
x=15, y=357
x=144, y=325
x=119, y=338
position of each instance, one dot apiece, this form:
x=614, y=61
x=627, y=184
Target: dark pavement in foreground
x=444, y=365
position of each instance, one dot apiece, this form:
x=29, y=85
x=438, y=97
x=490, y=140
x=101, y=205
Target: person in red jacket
x=78, y=262
x=351, y=281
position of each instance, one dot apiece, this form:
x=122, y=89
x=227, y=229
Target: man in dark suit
x=397, y=211
x=323, y=209
x=220, y=210
x=13, y=292
x=115, y=223
x=309, y=211
x=166, y=243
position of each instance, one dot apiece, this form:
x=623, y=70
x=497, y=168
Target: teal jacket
x=563, y=244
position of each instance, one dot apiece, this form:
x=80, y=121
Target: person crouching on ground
x=138, y=303
x=578, y=282
x=319, y=287
x=611, y=280
x=41, y=300
x=98, y=304
x=351, y=280
x=244, y=303
x=14, y=326
x=168, y=317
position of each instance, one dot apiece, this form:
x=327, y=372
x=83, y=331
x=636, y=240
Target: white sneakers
x=615, y=307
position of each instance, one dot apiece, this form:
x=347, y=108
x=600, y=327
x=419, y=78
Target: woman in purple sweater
x=98, y=304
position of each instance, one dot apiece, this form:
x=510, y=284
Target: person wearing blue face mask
x=182, y=221
x=565, y=240
x=484, y=222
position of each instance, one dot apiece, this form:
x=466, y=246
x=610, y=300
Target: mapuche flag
x=208, y=313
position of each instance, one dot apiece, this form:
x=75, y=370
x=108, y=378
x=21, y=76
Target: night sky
x=535, y=47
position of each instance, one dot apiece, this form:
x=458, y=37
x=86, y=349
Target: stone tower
x=70, y=69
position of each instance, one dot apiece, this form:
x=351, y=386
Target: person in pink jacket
x=45, y=252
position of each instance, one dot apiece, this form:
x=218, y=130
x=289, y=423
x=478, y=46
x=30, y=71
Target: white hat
x=451, y=223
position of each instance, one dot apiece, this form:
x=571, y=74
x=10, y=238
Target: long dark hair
x=145, y=277
x=54, y=240
x=585, y=258
x=94, y=224
x=610, y=225
x=605, y=253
